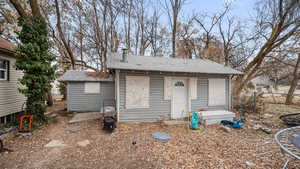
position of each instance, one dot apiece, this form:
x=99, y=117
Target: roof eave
x=7, y=51
x=119, y=68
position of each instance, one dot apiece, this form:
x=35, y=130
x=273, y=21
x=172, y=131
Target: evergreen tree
x=36, y=62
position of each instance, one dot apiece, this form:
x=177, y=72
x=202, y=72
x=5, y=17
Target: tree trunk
x=174, y=34
x=289, y=97
x=251, y=69
x=104, y=59
x=129, y=26
x=81, y=42
x=49, y=98
x=21, y=11
x=35, y=8
x=62, y=36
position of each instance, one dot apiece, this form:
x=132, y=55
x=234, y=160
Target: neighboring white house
x=262, y=80
x=11, y=100
x=148, y=88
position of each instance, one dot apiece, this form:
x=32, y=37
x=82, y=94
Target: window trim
x=5, y=70
x=214, y=93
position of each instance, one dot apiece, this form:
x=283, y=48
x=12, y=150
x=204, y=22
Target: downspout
x=68, y=96
x=117, y=84
x=229, y=93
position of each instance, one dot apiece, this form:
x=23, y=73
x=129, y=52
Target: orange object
x=30, y=117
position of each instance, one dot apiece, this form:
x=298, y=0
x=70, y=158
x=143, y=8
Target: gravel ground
x=210, y=147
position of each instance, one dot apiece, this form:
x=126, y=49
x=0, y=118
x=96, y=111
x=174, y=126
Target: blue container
x=194, y=121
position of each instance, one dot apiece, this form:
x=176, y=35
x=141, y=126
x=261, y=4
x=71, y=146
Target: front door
x=180, y=97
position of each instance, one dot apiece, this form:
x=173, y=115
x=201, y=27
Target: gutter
x=7, y=51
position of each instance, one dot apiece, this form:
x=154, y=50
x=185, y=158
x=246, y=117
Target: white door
x=180, y=97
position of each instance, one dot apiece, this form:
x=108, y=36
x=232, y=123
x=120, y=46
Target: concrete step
x=215, y=117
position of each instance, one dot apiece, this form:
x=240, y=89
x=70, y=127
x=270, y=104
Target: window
x=216, y=92
x=137, y=92
x=4, y=69
x=92, y=87
x=179, y=84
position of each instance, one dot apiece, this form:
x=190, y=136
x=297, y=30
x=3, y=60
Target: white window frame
x=92, y=87
x=5, y=70
x=217, y=92
x=193, y=88
x=168, y=87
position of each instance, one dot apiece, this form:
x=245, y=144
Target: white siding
x=11, y=100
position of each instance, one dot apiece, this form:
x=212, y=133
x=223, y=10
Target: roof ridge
x=169, y=64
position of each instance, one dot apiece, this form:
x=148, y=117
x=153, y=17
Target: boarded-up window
x=167, y=88
x=217, y=92
x=137, y=92
x=92, y=87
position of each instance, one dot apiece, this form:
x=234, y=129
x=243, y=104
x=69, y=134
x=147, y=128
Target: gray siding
x=11, y=100
x=80, y=101
x=160, y=107
x=202, y=94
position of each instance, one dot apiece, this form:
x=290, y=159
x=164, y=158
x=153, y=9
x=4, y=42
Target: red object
x=30, y=117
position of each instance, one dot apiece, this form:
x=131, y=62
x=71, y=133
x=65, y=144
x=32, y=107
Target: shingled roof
x=6, y=46
x=167, y=64
x=81, y=76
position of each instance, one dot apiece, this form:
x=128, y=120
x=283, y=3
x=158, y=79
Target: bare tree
x=127, y=12
x=62, y=36
x=98, y=35
x=227, y=37
x=141, y=17
x=294, y=84
x=278, y=21
x=19, y=7
x=186, y=43
x=152, y=32
x=173, y=8
x=207, y=24
x=105, y=5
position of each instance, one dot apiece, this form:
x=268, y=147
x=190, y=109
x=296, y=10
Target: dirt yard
x=210, y=147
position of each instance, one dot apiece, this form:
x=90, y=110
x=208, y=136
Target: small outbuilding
x=150, y=88
x=85, y=93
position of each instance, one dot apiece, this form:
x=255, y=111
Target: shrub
x=36, y=62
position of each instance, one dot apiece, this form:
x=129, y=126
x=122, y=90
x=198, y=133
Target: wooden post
x=254, y=102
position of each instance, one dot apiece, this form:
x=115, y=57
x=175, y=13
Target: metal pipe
x=124, y=55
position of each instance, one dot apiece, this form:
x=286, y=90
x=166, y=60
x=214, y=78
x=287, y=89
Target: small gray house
x=11, y=100
x=148, y=88
x=86, y=93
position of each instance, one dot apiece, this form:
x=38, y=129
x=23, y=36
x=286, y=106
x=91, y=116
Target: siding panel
x=158, y=106
x=202, y=101
x=11, y=100
x=80, y=101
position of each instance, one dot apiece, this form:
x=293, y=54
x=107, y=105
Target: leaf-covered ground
x=210, y=147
